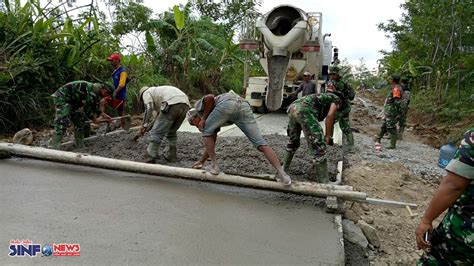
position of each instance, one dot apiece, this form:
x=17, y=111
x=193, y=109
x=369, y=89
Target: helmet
x=108, y=86
x=103, y=85
x=395, y=78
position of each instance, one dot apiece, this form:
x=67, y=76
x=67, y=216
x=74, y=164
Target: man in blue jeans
x=212, y=112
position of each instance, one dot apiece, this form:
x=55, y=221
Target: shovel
x=126, y=126
x=138, y=135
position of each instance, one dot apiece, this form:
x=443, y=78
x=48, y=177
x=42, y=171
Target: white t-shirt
x=169, y=94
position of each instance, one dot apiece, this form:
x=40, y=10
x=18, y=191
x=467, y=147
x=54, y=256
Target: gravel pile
x=420, y=159
x=236, y=155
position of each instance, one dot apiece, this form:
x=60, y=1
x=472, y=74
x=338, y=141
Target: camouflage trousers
x=451, y=244
x=344, y=122
x=302, y=118
x=390, y=124
x=403, y=118
x=65, y=114
x=404, y=109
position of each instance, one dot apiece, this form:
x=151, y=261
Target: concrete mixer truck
x=291, y=42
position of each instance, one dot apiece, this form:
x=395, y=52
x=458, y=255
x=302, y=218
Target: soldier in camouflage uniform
x=452, y=242
x=304, y=114
x=392, y=113
x=77, y=102
x=404, y=106
x=348, y=94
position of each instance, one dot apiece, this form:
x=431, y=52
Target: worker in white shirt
x=171, y=104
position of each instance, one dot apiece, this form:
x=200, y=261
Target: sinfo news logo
x=23, y=248
x=26, y=248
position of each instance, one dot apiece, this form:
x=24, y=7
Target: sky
x=352, y=23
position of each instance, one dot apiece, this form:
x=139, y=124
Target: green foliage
x=43, y=48
x=229, y=14
x=130, y=18
x=39, y=52
x=453, y=109
x=178, y=18
x=434, y=45
x=141, y=76
x=365, y=78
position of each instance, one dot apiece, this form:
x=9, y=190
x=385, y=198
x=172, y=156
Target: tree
x=433, y=45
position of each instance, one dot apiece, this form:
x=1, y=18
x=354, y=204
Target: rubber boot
x=79, y=139
x=350, y=139
x=153, y=150
x=393, y=141
x=172, y=154
x=321, y=172
x=400, y=133
x=287, y=160
x=378, y=137
x=55, y=141
x=350, y=142
x=87, y=130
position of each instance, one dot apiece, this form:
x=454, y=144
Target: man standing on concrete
x=213, y=112
x=347, y=95
x=404, y=103
x=308, y=87
x=304, y=115
x=76, y=102
x=452, y=242
x=119, y=98
x=171, y=104
x=391, y=113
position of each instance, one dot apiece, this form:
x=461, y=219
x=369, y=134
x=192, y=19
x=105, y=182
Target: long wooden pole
x=310, y=189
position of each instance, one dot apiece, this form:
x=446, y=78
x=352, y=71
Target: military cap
x=335, y=70
x=395, y=78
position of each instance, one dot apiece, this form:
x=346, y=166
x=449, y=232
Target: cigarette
x=426, y=236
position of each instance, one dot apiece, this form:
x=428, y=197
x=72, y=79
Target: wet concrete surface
x=129, y=218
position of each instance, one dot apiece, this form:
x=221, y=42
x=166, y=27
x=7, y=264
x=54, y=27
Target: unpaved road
x=409, y=174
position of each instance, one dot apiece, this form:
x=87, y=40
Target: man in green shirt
x=452, y=242
x=77, y=102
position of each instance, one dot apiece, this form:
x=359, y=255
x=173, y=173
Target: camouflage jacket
x=392, y=107
x=348, y=95
x=318, y=104
x=459, y=221
x=80, y=94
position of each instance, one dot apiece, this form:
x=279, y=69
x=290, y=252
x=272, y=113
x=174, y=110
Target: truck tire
x=262, y=109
